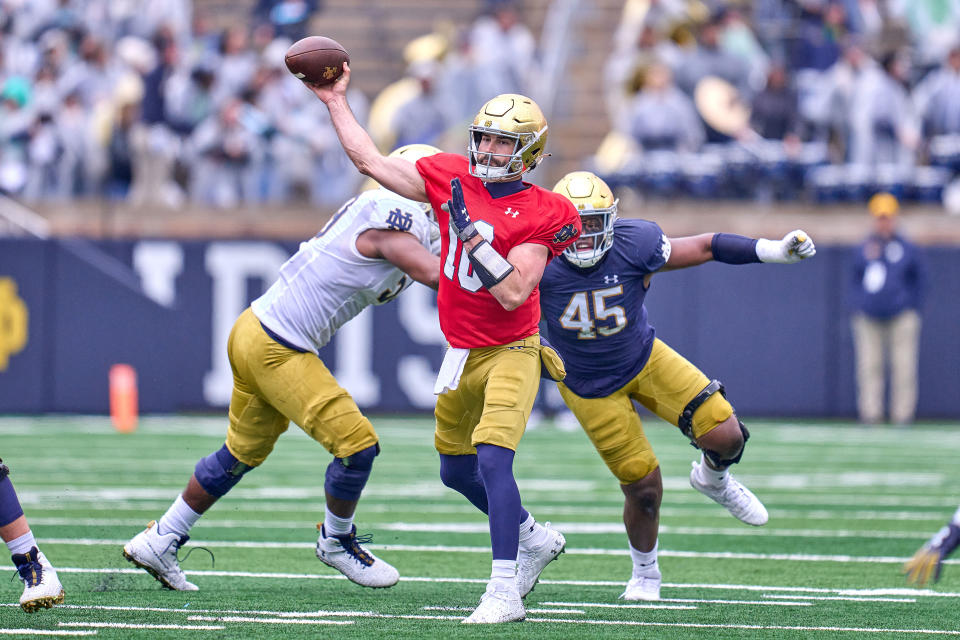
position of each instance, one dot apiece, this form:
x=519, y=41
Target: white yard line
x=312, y=617
x=130, y=625
x=586, y=551
x=852, y=598
x=750, y=627
x=855, y=593
x=265, y=620
x=44, y=632
x=593, y=528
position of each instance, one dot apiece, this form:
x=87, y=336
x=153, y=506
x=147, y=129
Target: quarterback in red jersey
x=498, y=233
x=469, y=315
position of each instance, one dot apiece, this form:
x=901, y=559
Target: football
x=316, y=59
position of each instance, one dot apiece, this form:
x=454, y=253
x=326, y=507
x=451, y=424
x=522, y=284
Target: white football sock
x=956, y=517
x=504, y=574
x=645, y=562
x=179, y=518
x=334, y=525
x=532, y=533
x=22, y=544
x=715, y=477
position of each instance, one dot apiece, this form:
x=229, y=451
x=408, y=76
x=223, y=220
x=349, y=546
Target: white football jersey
x=327, y=282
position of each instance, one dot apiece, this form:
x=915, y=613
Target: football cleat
x=927, y=562
x=157, y=555
x=499, y=603
x=738, y=500
x=41, y=587
x=643, y=588
x=345, y=554
x=531, y=561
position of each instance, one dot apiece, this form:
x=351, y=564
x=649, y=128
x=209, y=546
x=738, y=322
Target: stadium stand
x=137, y=170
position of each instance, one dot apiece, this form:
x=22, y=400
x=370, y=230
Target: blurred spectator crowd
x=775, y=99
x=142, y=101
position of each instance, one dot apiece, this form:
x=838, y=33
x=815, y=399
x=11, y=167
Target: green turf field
x=847, y=506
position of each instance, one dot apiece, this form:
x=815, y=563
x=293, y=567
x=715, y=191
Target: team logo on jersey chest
x=511, y=212
x=566, y=232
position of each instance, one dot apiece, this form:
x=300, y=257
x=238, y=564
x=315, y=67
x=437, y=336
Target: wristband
x=733, y=249
x=489, y=265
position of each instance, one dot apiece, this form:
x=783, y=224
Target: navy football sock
x=461, y=474
x=10, y=508
x=503, y=499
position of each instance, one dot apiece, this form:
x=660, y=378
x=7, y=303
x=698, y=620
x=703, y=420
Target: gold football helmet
x=598, y=213
x=509, y=115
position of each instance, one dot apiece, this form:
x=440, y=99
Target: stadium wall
x=778, y=337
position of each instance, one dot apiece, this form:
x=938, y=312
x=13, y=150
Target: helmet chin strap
x=490, y=171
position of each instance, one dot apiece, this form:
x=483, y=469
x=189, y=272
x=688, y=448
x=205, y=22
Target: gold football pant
x=273, y=385
x=665, y=386
x=493, y=401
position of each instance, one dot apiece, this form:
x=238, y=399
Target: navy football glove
x=928, y=560
x=457, y=208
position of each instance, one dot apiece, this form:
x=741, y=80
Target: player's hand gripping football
x=335, y=90
x=794, y=247
x=459, y=216
x=927, y=562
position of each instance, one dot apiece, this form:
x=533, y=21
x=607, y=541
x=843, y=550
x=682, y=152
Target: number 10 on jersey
x=459, y=264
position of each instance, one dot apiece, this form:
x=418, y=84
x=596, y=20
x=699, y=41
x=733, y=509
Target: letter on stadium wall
x=354, y=348
x=417, y=312
x=231, y=264
x=158, y=263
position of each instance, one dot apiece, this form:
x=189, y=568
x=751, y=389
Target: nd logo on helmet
x=13, y=321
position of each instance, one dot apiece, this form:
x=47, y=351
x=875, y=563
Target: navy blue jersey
x=595, y=316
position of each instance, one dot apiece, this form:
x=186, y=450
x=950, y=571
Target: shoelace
x=182, y=541
x=352, y=546
x=30, y=570
x=30, y=576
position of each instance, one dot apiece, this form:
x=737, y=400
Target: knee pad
x=346, y=477
x=718, y=461
x=632, y=469
x=685, y=421
x=219, y=472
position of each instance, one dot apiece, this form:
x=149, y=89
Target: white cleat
x=345, y=554
x=738, y=500
x=643, y=588
x=531, y=561
x=157, y=555
x=498, y=604
x=41, y=587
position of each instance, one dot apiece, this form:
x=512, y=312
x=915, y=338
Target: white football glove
x=794, y=247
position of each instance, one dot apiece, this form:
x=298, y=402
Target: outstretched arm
x=733, y=249
x=396, y=174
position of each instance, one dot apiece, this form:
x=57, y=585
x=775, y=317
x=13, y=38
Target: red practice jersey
x=470, y=316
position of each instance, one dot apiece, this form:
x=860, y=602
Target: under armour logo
x=511, y=212
x=614, y=279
